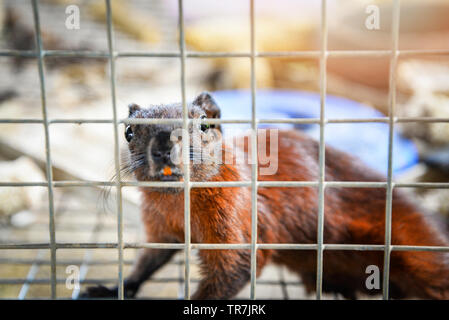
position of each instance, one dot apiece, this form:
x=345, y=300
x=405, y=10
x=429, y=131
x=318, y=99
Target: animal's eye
x=128, y=133
x=204, y=126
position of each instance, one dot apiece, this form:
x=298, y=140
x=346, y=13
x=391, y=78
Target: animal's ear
x=132, y=109
x=208, y=104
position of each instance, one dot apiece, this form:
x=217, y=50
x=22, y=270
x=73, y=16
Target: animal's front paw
x=99, y=292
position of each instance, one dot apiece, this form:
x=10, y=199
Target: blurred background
x=80, y=88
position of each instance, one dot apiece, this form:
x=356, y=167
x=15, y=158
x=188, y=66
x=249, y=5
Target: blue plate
x=367, y=141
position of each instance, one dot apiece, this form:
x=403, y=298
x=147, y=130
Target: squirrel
x=285, y=214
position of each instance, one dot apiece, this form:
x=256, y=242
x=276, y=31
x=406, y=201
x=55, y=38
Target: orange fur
x=289, y=215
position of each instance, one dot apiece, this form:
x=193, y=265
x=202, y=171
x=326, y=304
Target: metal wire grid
x=89, y=259
x=321, y=184
x=86, y=261
x=41, y=260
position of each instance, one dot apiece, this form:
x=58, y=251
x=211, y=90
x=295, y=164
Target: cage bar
x=322, y=152
x=111, y=57
x=390, y=184
x=49, y=169
x=230, y=184
x=185, y=152
x=205, y=54
x=234, y=121
x=221, y=246
x=254, y=164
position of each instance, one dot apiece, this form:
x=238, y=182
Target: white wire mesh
x=40, y=53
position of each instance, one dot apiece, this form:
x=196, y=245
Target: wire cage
x=184, y=263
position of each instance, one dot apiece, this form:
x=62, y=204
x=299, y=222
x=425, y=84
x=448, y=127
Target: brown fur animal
x=285, y=215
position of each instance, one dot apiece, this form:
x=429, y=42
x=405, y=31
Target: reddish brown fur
x=289, y=215
x=285, y=215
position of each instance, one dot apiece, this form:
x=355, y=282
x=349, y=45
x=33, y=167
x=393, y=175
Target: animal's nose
x=161, y=155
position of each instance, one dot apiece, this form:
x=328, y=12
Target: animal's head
x=154, y=151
